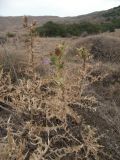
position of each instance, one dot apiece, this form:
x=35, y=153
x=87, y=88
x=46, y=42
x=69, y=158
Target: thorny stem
x=31, y=51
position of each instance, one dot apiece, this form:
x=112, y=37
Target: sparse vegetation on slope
x=103, y=48
x=101, y=21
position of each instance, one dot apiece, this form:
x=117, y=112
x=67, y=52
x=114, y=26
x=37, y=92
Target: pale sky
x=54, y=7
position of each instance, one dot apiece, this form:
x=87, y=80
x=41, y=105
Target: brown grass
x=103, y=48
x=44, y=120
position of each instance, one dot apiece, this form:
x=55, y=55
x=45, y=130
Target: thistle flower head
x=34, y=23
x=58, y=51
x=46, y=61
x=83, y=52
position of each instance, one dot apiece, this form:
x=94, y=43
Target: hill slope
x=14, y=23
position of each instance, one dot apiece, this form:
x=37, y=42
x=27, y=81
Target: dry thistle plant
x=84, y=70
x=84, y=55
x=29, y=42
x=57, y=59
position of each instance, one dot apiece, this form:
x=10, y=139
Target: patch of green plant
x=52, y=29
x=10, y=34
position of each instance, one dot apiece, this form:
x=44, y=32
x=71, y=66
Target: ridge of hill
x=14, y=23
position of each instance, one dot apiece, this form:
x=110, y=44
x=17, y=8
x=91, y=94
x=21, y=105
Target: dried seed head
x=58, y=51
x=25, y=21
x=34, y=23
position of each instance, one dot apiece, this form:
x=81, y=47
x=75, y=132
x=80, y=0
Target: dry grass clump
x=103, y=48
x=108, y=89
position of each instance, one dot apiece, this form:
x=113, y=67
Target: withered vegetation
x=54, y=114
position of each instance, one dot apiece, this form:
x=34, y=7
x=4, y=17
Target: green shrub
x=10, y=35
x=52, y=29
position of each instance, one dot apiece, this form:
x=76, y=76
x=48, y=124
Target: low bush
x=10, y=34
x=52, y=29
